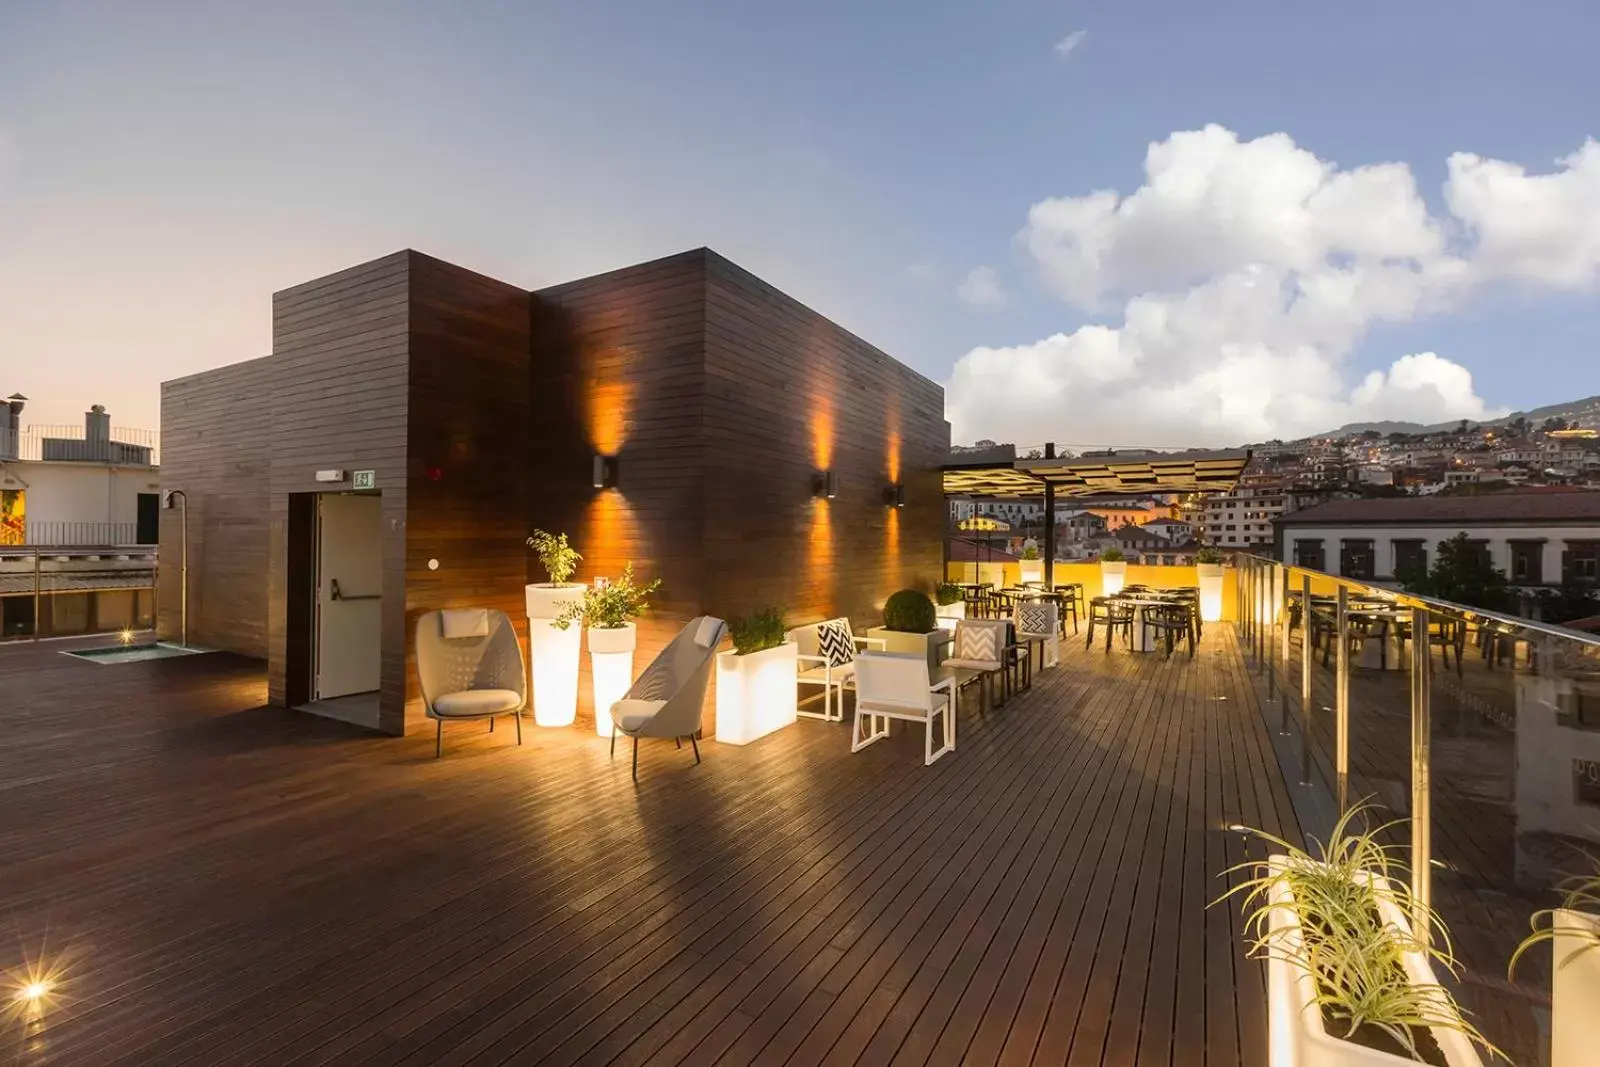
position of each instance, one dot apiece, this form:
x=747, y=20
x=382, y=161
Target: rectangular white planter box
x=1296, y=1037
x=1032, y=570
x=1113, y=573
x=1575, y=991
x=756, y=694
x=1210, y=575
x=932, y=646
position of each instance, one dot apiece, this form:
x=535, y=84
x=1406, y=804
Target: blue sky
x=165, y=166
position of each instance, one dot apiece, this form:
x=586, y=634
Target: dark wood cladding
x=481, y=409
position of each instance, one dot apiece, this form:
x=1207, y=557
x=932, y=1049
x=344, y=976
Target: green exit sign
x=364, y=480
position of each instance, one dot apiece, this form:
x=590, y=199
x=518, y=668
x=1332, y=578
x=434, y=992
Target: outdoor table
x=1141, y=604
x=959, y=678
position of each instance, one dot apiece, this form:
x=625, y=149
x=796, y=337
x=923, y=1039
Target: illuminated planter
x=554, y=652
x=1575, y=990
x=611, y=663
x=1112, y=576
x=1295, y=1034
x=756, y=693
x=1032, y=570
x=1210, y=591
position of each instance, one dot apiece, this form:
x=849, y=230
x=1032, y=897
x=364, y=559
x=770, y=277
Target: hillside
x=1584, y=413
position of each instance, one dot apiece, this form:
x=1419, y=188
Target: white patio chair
x=668, y=698
x=1042, y=619
x=469, y=663
x=892, y=685
x=826, y=654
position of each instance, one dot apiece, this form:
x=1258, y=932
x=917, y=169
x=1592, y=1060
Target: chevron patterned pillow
x=835, y=644
x=978, y=643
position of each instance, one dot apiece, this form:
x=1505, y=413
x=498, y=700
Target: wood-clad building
x=479, y=407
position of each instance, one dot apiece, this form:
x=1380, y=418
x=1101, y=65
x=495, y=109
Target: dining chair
x=1172, y=622
x=1114, y=614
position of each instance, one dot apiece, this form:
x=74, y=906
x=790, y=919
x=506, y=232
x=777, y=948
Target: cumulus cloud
x=981, y=288
x=1065, y=46
x=1237, y=279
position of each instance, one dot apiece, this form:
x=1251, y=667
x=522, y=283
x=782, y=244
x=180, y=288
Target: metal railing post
x=1341, y=702
x=1305, y=681
x=1283, y=633
x=1421, y=774
x=1249, y=607
x=37, y=598
x=1272, y=673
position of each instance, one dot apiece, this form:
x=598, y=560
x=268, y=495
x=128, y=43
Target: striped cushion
x=835, y=642
x=978, y=643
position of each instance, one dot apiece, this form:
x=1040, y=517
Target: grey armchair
x=470, y=665
x=669, y=696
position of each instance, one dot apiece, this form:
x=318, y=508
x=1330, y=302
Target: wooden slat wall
x=218, y=451
x=469, y=425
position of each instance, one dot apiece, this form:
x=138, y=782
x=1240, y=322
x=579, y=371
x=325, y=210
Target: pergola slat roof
x=1104, y=474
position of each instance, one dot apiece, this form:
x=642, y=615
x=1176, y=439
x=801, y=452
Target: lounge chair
x=669, y=696
x=469, y=663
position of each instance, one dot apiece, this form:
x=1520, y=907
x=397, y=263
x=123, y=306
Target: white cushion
x=477, y=702
x=818, y=674
x=465, y=622
x=974, y=664
x=633, y=715
x=707, y=633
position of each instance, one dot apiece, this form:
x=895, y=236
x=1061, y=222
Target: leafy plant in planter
x=1208, y=554
x=1581, y=893
x=757, y=632
x=1341, y=939
x=1112, y=555
x=1030, y=552
x=947, y=593
x=558, y=558
x=611, y=608
x=910, y=612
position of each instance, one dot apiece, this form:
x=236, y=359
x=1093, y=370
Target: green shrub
x=910, y=612
x=613, y=607
x=948, y=593
x=1030, y=552
x=1208, y=555
x=558, y=558
x=1112, y=555
x=757, y=631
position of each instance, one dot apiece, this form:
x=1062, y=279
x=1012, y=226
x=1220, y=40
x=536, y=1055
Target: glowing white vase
x=1113, y=574
x=1210, y=591
x=611, y=664
x=756, y=693
x=554, y=652
x=1032, y=570
x=1575, y=990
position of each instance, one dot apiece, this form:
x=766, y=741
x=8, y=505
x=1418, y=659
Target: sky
x=1141, y=222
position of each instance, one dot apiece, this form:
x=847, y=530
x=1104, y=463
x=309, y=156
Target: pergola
x=998, y=474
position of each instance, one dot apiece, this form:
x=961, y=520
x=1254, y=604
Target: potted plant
x=1113, y=571
x=1349, y=982
x=552, y=649
x=952, y=604
x=1573, y=931
x=756, y=688
x=608, y=609
x=1032, y=566
x=1208, y=564
x=911, y=625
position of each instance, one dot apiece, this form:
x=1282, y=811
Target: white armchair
x=897, y=686
x=827, y=655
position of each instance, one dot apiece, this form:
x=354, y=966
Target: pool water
x=135, y=653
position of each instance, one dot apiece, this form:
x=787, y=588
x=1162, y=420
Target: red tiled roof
x=1494, y=507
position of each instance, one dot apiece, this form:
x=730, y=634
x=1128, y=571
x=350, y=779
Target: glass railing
x=1479, y=730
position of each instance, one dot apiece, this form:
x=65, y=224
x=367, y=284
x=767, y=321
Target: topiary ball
x=910, y=612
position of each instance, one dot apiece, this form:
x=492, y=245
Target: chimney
x=11, y=425
x=97, y=424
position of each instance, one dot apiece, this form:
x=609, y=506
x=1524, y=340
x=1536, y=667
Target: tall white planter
x=1296, y=1036
x=949, y=613
x=611, y=664
x=1575, y=990
x=1210, y=591
x=1112, y=576
x=553, y=653
x=1032, y=570
x=756, y=693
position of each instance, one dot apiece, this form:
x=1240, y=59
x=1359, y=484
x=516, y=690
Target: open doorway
x=347, y=630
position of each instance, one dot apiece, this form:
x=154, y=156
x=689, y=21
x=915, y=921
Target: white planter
x=756, y=694
x=1210, y=591
x=930, y=646
x=1112, y=576
x=949, y=613
x=553, y=653
x=1032, y=570
x=611, y=664
x=1296, y=1036
x=1575, y=990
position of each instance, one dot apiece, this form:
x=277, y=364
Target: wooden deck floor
x=236, y=884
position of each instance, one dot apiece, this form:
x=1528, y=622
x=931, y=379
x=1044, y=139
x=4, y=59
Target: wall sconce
x=822, y=485
x=894, y=496
x=605, y=472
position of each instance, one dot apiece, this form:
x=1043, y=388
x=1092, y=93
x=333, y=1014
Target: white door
x=349, y=584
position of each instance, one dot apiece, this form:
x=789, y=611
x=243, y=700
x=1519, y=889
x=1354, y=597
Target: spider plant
x=1580, y=893
x=1355, y=957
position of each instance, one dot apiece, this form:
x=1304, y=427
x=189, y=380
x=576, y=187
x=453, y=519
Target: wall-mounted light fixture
x=822, y=485
x=894, y=495
x=605, y=472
